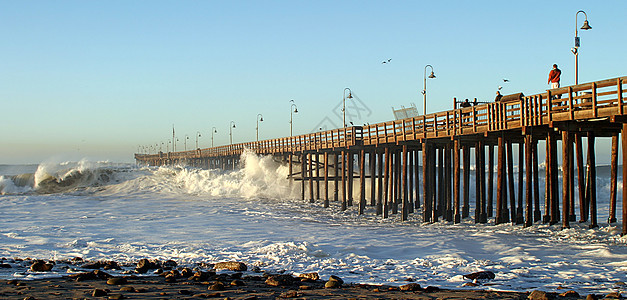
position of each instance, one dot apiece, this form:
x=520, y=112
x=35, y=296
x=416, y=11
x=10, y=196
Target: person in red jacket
x=554, y=77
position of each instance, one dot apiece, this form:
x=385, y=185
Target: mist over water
x=98, y=210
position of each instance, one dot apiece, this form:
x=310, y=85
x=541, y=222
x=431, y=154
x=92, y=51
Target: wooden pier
x=423, y=164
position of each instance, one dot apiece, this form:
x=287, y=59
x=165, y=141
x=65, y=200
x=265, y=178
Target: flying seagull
x=386, y=61
x=505, y=80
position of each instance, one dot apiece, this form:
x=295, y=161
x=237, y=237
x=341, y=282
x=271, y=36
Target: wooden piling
x=350, y=176
x=592, y=179
x=373, y=176
x=456, y=179
x=565, y=178
x=528, y=176
x=326, y=179
x=490, y=193
x=537, y=213
x=310, y=174
x=613, y=179
x=344, y=170
x=386, y=183
x=466, y=199
x=405, y=189
x=520, y=208
x=583, y=215
x=624, y=140
x=336, y=176
x=362, y=181
x=417, y=179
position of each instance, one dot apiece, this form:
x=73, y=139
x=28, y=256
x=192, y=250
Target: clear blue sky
x=97, y=79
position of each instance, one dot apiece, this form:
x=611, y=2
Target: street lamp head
x=432, y=75
x=586, y=26
x=261, y=119
x=233, y=125
x=350, y=95
x=295, y=110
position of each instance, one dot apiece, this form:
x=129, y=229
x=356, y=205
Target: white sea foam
x=253, y=215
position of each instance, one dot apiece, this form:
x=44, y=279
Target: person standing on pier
x=554, y=77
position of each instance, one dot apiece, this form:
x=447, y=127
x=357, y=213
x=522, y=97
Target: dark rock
x=171, y=278
x=231, y=265
x=170, y=263
x=289, y=294
x=117, y=281
x=431, y=289
x=332, y=284
x=471, y=284
x=41, y=266
x=111, y=265
x=238, y=282
x=116, y=296
x=185, y=292
x=335, y=278
x=538, y=295
x=237, y=275
x=217, y=286
x=77, y=259
x=127, y=289
x=99, y=293
x=207, y=295
x=186, y=272
x=5, y=266
x=309, y=276
x=143, y=265
x=480, y=275
x=571, y=294
x=592, y=297
x=613, y=295
x=280, y=280
x=92, y=265
x=411, y=287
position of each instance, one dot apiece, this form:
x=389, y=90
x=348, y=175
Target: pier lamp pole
x=213, y=130
x=424, y=89
x=231, y=126
x=197, y=136
x=167, y=148
x=350, y=96
x=259, y=119
x=575, y=50
x=293, y=109
x=185, y=142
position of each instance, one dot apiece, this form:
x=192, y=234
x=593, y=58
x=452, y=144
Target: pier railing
x=586, y=101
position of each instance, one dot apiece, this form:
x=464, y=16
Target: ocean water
x=122, y=212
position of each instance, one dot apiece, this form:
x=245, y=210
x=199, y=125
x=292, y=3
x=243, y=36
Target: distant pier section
x=423, y=164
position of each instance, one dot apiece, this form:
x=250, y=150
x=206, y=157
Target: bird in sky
x=505, y=80
x=386, y=61
x=500, y=87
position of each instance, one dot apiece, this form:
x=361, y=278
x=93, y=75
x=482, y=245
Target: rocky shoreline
x=154, y=279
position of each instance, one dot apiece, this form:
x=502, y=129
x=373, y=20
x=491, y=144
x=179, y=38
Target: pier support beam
x=456, y=178
x=592, y=180
x=565, y=178
x=613, y=179
x=624, y=138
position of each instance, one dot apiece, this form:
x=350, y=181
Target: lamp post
x=294, y=109
x=575, y=50
x=350, y=96
x=197, y=136
x=185, y=142
x=213, y=130
x=231, y=126
x=424, y=89
x=259, y=119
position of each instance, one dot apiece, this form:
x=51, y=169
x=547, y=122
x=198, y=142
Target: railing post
x=595, y=110
x=570, y=103
x=619, y=91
